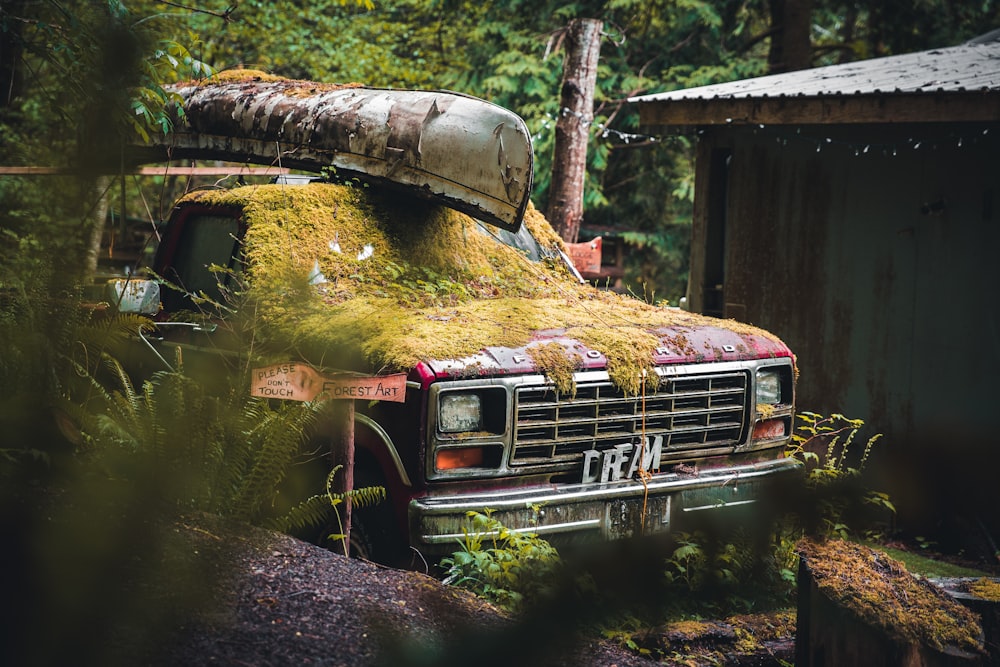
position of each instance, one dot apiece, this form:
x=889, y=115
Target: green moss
x=985, y=589
x=292, y=87
x=881, y=592
x=688, y=629
x=231, y=75
x=558, y=364
x=433, y=286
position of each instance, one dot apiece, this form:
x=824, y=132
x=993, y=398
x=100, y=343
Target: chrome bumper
x=612, y=511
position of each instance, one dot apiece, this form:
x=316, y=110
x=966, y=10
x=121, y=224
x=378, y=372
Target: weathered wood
x=857, y=606
x=465, y=152
x=569, y=162
x=896, y=108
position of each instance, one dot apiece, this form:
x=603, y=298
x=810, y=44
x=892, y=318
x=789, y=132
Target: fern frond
x=277, y=439
x=365, y=496
x=311, y=512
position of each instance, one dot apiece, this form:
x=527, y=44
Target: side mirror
x=133, y=295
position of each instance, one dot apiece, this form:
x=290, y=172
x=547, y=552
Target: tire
x=374, y=535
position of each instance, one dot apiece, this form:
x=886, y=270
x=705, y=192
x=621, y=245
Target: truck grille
x=691, y=412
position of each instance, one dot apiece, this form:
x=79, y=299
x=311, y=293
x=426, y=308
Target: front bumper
x=610, y=511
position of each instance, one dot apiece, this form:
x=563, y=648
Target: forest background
x=75, y=76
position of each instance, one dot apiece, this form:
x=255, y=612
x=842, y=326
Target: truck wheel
x=373, y=533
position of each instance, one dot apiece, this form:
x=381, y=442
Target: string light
x=603, y=130
x=782, y=136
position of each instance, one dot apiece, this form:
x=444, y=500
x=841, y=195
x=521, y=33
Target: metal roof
x=970, y=71
x=973, y=66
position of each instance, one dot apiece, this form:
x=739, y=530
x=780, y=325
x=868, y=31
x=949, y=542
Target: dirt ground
x=280, y=601
x=101, y=585
x=263, y=598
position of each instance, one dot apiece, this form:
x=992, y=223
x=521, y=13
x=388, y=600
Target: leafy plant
x=826, y=445
x=317, y=510
x=730, y=572
x=511, y=568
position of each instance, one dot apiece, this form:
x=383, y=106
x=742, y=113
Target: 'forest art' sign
x=299, y=382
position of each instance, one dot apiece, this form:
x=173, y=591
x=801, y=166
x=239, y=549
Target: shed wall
x=872, y=251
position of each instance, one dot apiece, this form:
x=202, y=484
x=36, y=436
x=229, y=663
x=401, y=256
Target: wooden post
x=342, y=453
x=569, y=162
x=857, y=606
x=296, y=381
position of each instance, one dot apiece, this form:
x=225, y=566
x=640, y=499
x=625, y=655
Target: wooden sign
x=372, y=388
x=300, y=382
x=586, y=256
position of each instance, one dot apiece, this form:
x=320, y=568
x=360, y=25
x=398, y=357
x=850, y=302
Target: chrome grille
x=691, y=412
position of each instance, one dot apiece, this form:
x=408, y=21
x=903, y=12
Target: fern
x=278, y=436
x=316, y=510
x=310, y=513
x=226, y=455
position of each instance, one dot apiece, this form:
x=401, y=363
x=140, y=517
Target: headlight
x=768, y=387
x=460, y=412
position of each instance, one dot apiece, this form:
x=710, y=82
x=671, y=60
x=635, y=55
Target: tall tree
x=791, y=30
x=576, y=114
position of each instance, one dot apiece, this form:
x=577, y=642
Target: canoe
x=462, y=151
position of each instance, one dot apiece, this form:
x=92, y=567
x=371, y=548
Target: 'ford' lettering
x=622, y=461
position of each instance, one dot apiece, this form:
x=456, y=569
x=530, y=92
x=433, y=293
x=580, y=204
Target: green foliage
x=317, y=510
x=508, y=567
x=735, y=571
x=826, y=445
x=224, y=455
x=96, y=67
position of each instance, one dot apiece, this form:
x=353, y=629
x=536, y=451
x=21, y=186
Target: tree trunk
x=791, y=46
x=569, y=162
x=11, y=50
x=97, y=220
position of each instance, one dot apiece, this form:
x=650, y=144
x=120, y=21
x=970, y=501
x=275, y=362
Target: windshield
x=521, y=240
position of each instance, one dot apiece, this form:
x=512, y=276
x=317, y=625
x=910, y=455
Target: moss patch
x=293, y=87
x=985, y=589
x=558, y=365
x=881, y=592
x=391, y=281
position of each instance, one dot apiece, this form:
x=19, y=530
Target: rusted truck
x=565, y=410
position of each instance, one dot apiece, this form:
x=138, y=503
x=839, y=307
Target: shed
x=852, y=210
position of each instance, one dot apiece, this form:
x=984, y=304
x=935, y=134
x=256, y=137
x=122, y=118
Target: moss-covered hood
x=343, y=276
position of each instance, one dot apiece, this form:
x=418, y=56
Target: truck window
x=205, y=240
x=521, y=240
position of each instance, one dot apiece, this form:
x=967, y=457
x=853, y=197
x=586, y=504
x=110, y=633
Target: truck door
x=200, y=263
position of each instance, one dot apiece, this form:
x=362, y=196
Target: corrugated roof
x=970, y=67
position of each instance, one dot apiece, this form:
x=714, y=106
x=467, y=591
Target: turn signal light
x=772, y=428
x=467, y=457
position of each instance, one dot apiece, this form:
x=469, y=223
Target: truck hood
x=677, y=345
x=346, y=278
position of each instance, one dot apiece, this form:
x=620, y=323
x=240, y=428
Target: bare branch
x=226, y=15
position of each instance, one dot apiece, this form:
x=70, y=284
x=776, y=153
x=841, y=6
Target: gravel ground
x=280, y=601
x=104, y=583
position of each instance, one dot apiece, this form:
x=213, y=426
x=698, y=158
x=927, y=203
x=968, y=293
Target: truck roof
x=395, y=281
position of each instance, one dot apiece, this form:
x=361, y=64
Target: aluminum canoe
x=462, y=151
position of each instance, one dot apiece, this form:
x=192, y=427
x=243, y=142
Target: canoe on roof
x=465, y=152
